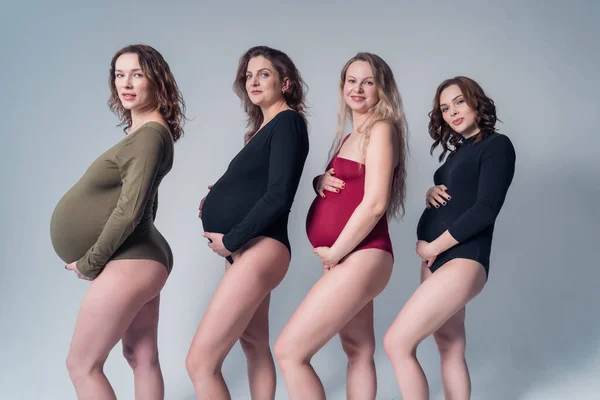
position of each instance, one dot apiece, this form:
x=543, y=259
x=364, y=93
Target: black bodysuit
x=254, y=196
x=477, y=176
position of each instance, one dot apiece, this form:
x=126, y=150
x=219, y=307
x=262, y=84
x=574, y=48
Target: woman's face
x=457, y=113
x=360, y=92
x=263, y=84
x=134, y=88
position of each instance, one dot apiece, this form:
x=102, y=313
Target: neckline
x=270, y=121
x=147, y=123
x=347, y=159
x=469, y=141
x=164, y=129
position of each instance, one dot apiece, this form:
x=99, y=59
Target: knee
x=79, y=366
x=398, y=345
x=450, y=344
x=358, y=351
x=193, y=364
x=201, y=361
x=141, y=356
x=286, y=353
x=255, y=347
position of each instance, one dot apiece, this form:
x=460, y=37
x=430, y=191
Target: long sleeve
x=288, y=149
x=497, y=168
x=138, y=161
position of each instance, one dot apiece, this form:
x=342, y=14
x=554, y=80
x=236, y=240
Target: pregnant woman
x=454, y=236
x=103, y=228
x=347, y=225
x=245, y=217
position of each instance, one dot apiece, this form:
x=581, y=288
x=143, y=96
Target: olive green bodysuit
x=109, y=213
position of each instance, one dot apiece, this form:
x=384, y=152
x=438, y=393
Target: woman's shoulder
x=289, y=120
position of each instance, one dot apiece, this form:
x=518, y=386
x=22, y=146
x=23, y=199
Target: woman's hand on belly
x=73, y=267
x=202, y=202
x=216, y=243
x=426, y=251
x=328, y=257
x=328, y=182
x=437, y=196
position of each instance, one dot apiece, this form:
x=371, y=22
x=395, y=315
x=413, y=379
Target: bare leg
x=358, y=341
x=108, y=308
x=451, y=340
x=259, y=269
x=330, y=304
x=434, y=302
x=140, y=348
x=255, y=343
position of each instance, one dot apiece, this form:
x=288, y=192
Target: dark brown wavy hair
x=294, y=96
x=167, y=97
x=484, y=108
x=390, y=110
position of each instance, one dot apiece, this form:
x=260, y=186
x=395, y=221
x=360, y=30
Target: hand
x=215, y=242
x=327, y=256
x=436, y=196
x=328, y=182
x=73, y=267
x=202, y=203
x=427, y=252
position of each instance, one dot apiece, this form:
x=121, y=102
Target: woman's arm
x=379, y=172
x=496, y=173
x=138, y=161
x=287, y=153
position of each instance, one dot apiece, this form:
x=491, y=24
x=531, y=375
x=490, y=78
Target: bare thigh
x=258, y=269
x=358, y=335
x=110, y=305
x=334, y=300
x=256, y=333
x=436, y=300
x=454, y=327
x=141, y=337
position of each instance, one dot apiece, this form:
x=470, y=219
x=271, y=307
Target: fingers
x=439, y=199
x=329, y=183
x=433, y=201
x=429, y=262
x=442, y=191
x=333, y=184
x=331, y=188
x=210, y=187
x=200, y=207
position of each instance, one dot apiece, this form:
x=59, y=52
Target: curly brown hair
x=168, y=98
x=390, y=110
x=476, y=98
x=285, y=67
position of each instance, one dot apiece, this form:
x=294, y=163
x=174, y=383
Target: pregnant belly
x=327, y=218
x=432, y=224
x=75, y=226
x=223, y=210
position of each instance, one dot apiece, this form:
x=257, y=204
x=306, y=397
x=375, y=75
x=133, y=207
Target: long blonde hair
x=389, y=109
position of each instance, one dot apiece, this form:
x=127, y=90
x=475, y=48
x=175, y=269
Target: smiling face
x=360, y=92
x=263, y=84
x=461, y=118
x=134, y=88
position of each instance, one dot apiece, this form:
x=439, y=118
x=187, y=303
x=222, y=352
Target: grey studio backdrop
x=534, y=331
